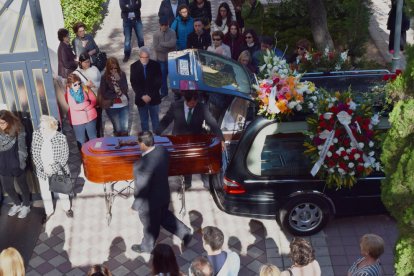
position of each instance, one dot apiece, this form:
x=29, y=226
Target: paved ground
x=70, y=246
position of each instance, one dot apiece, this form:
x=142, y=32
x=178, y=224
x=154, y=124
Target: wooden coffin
x=111, y=158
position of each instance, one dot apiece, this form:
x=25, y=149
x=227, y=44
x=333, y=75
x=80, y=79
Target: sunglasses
x=76, y=84
x=249, y=37
x=216, y=39
x=301, y=48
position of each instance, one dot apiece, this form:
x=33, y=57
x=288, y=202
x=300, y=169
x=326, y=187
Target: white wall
x=52, y=20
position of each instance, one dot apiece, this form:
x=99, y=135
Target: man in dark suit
x=168, y=9
x=146, y=82
x=189, y=117
x=152, y=195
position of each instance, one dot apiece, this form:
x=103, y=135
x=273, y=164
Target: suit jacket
x=128, y=6
x=146, y=86
x=200, y=114
x=151, y=180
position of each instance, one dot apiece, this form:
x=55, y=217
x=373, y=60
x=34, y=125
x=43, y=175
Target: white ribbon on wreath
x=345, y=119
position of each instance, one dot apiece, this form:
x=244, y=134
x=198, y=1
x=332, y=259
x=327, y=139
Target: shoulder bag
x=100, y=61
x=61, y=183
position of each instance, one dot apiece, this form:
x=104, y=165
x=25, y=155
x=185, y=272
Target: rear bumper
x=239, y=206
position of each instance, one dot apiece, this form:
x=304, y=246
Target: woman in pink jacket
x=82, y=113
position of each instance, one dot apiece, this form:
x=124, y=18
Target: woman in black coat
x=67, y=62
x=13, y=155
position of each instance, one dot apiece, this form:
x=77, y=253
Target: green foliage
x=405, y=255
x=348, y=22
x=398, y=160
x=409, y=72
x=87, y=11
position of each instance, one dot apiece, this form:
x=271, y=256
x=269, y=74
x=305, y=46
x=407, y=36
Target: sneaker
x=24, y=211
x=69, y=213
x=14, y=210
x=126, y=58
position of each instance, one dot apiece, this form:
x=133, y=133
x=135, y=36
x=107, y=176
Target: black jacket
x=166, y=10
x=199, y=42
x=200, y=114
x=204, y=13
x=146, y=86
x=151, y=180
x=128, y=6
x=66, y=60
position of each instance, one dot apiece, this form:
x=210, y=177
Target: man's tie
x=189, y=115
x=145, y=71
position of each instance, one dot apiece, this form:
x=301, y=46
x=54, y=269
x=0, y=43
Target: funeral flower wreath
x=342, y=141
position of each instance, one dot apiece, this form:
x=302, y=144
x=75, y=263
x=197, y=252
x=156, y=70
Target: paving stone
x=36, y=261
x=254, y=252
x=44, y=268
x=189, y=255
x=324, y=261
x=327, y=270
x=120, y=271
x=39, y=249
x=54, y=272
x=276, y=261
x=143, y=270
x=255, y=266
x=56, y=261
x=75, y=272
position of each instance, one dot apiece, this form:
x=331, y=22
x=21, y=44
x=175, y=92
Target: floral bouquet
x=341, y=140
x=282, y=94
x=325, y=61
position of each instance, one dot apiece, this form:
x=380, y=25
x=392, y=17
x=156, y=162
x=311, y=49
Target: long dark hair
x=219, y=20
x=164, y=260
x=13, y=123
x=254, y=35
x=109, y=64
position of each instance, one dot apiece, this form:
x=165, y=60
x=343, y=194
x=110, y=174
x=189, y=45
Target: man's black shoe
x=126, y=58
x=187, y=239
x=138, y=248
x=187, y=186
x=69, y=213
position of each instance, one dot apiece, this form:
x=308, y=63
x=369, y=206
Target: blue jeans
x=128, y=26
x=147, y=111
x=119, y=118
x=89, y=128
x=164, y=75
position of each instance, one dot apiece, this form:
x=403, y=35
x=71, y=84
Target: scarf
x=6, y=141
x=78, y=96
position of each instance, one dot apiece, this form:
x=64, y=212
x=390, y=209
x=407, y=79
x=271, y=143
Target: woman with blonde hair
x=269, y=270
x=82, y=113
x=246, y=59
x=114, y=94
x=50, y=154
x=13, y=155
x=372, y=247
x=11, y=263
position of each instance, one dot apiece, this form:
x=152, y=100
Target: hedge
x=90, y=12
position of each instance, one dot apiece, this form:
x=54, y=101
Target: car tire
x=305, y=215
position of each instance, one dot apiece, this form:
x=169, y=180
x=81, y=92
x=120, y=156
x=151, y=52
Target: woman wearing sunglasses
x=302, y=48
x=82, y=113
x=251, y=42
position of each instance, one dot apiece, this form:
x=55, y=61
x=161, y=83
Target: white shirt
x=148, y=151
x=46, y=154
x=226, y=49
x=174, y=8
x=92, y=74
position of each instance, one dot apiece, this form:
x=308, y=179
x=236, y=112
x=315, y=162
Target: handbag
x=100, y=61
x=61, y=183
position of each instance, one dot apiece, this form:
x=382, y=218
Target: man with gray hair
x=200, y=266
x=146, y=82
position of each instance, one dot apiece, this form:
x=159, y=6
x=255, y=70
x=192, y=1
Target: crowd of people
x=218, y=262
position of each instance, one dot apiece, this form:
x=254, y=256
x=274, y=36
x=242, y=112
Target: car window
x=277, y=150
x=220, y=72
x=235, y=117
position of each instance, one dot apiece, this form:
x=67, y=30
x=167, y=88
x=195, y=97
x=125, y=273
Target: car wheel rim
x=305, y=217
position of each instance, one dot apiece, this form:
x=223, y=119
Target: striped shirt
x=369, y=270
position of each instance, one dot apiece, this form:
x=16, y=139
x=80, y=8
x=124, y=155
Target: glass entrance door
x=26, y=83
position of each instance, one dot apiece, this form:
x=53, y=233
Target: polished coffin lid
x=111, y=158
